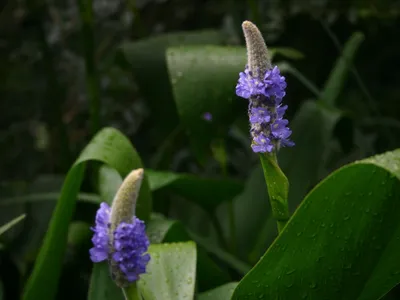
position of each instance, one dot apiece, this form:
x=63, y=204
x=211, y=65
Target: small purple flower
x=207, y=116
x=262, y=143
x=259, y=115
x=268, y=128
x=248, y=85
x=129, y=248
x=275, y=84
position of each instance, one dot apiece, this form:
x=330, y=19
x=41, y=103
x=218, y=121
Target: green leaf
x=224, y=292
x=253, y=202
x=208, y=273
x=203, y=80
x=341, y=243
x=339, y=73
x=287, y=52
x=110, y=147
x=10, y=224
x=170, y=273
x=195, y=188
x=148, y=63
x=39, y=197
x=109, y=182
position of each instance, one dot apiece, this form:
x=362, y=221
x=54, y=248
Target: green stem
x=131, y=293
x=92, y=82
x=278, y=189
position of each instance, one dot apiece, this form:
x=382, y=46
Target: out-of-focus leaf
x=108, y=146
x=339, y=73
x=341, y=243
x=192, y=187
x=203, y=80
x=208, y=274
x=39, y=197
x=236, y=264
x=208, y=193
x=224, y=292
x=287, y=52
x=147, y=60
x=171, y=272
x=78, y=233
x=10, y=224
x=251, y=210
x=109, y=182
x=288, y=68
x=312, y=130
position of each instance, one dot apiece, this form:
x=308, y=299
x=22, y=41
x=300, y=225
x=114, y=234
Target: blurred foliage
x=143, y=67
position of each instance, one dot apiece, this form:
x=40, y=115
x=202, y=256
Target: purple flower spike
x=131, y=243
x=129, y=248
x=269, y=130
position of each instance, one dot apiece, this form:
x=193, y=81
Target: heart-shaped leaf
x=342, y=242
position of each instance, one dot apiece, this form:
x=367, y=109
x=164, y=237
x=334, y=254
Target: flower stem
x=278, y=189
x=131, y=293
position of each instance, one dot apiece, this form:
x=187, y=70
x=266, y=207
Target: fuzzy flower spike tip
x=119, y=236
x=264, y=87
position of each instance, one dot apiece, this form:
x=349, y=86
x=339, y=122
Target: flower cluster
x=129, y=246
x=268, y=129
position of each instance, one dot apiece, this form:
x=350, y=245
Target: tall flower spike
x=120, y=236
x=264, y=87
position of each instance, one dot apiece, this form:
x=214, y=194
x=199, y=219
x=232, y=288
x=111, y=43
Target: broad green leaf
x=170, y=273
x=203, y=80
x=339, y=73
x=196, y=188
x=208, y=273
x=342, y=242
x=224, y=292
x=110, y=147
x=10, y=224
x=147, y=60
